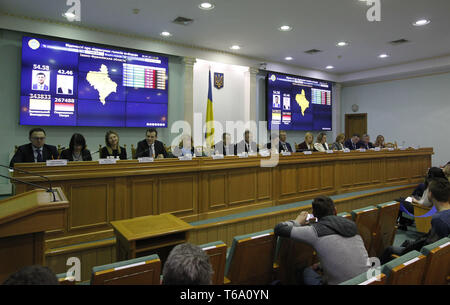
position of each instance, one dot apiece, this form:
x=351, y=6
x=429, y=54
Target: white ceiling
x=253, y=24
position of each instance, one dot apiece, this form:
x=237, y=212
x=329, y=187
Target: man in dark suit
x=365, y=142
x=151, y=147
x=246, y=145
x=224, y=147
x=281, y=139
x=352, y=143
x=36, y=151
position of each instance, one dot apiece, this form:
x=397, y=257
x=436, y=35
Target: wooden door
x=355, y=123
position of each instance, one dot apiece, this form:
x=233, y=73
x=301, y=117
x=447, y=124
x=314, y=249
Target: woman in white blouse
x=321, y=144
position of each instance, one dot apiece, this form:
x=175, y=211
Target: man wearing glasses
x=36, y=151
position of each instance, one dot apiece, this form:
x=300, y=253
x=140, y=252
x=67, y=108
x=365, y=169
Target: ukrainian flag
x=209, y=116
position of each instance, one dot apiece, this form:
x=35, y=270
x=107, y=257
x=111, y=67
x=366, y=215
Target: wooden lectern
x=23, y=220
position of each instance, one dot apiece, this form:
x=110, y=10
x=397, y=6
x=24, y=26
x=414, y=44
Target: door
x=355, y=123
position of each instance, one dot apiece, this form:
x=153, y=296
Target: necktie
x=284, y=147
x=39, y=156
x=151, y=151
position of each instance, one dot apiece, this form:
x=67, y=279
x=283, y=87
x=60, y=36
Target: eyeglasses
x=38, y=139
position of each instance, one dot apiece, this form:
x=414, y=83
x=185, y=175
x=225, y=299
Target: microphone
x=95, y=152
x=11, y=169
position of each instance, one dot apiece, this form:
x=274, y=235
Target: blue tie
x=39, y=156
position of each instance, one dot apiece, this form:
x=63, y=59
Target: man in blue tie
x=352, y=143
x=36, y=151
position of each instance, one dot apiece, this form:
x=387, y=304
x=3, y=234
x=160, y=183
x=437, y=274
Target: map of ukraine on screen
x=71, y=84
x=296, y=103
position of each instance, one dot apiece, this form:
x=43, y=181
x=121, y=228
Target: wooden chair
x=291, y=256
x=387, y=220
x=363, y=280
x=64, y=280
x=437, y=270
x=423, y=224
x=345, y=215
x=217, y=252
x=133, y=151
x=408, y=269
x=366, y=220
x=250, y=259
x=59, y=149
x=139, y=271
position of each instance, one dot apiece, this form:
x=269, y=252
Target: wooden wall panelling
x=178, y=194
x=142, y=196
x=242, y=186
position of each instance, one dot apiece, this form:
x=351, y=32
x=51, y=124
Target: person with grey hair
x=365, y=142
x=187, y=264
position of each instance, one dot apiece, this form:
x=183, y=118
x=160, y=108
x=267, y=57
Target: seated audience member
x=352, y=143
x=308, y=144
x=246, y=145
x=339, y=144
x=151, y=147
x=340, y=249
x=224, y=147
x=185, y=147
x=36, y=151
x=379, y=142
x=419, y=196
x=280, y=140
x=112, y=147
x=77, y=149
x=321, y=144
x=187, y=264
x=438, y=195
x=365, y=142
x=32, y=275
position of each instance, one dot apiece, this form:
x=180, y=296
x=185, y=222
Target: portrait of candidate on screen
x=40, y=80
x=64, y=84
x=276, y=101
x=286, y=103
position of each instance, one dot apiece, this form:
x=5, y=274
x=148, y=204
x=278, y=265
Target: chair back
x=387, y=221
x=437, y=269
x=407, y=269
x=217, y=252
x=366, y=220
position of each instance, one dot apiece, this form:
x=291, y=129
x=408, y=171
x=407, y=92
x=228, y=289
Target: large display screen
x=297, y=103
x=70, y=84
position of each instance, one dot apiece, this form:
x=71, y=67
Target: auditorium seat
x=217, y=252
x=387, y=220
x=437, y=268
x=138, y=271
x=408, y=269
x=290, y=257
x=64, y=280
x=250, y=259
x=363, y=280
x=366, y=220
x=346, y=215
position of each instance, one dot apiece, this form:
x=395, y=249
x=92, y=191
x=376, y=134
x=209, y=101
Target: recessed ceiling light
x=288, y=58
x=235, y=47
x=421, y=22
x=206, y=6
x=384, y=55
x=342, y=44
x=329, y=67
x=285, y=28
x=165, y=34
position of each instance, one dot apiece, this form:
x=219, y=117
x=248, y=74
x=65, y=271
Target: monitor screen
x=71, y=84
x=298, y=103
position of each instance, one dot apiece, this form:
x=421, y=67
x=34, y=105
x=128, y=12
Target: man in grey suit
x=246, y=145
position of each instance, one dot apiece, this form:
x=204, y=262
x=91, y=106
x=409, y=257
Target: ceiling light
x=421, y=22
x=288, y=58
x=342, y=44
x=235, y=47
x=285, y=28
x=329, y=67
x=206, y=6
x=384, y=55
x=165, y=34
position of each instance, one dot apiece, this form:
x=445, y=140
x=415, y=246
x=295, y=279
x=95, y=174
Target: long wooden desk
x=204, y=188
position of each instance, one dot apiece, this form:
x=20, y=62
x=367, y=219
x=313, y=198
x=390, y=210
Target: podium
x=24, y=218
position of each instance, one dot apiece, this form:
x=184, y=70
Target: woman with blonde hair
x=308, y=144
x=321, y=144
x=379, y=142
x=339, y=144
x=112, y=148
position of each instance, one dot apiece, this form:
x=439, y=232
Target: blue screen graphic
x=69, y=84
x=296, y=103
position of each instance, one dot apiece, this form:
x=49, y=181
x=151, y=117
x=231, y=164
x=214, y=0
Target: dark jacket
x=280, y=147
x=241, y=147
x=348, y=144
x=67, y=154
x=303, y=147
x=104, y=153
x=363, y=145
x=143, y=150
x=25, y=154
x=221, y=149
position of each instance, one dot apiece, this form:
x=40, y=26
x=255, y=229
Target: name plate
x=346, y=150
x=377, y=149
x=307, y=152
x=285, y=153
x=107, y=161
x=217, y=157
x=243, y=155
x=391, y=149
x=264, y=153
x=362, y=150
x=60, y=162
x=145, y=160
x=329, y=151
x=253, y=154
x=185, y=158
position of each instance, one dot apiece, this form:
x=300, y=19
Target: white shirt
x=35, y=152
x=319, y=147
x=151, y=148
